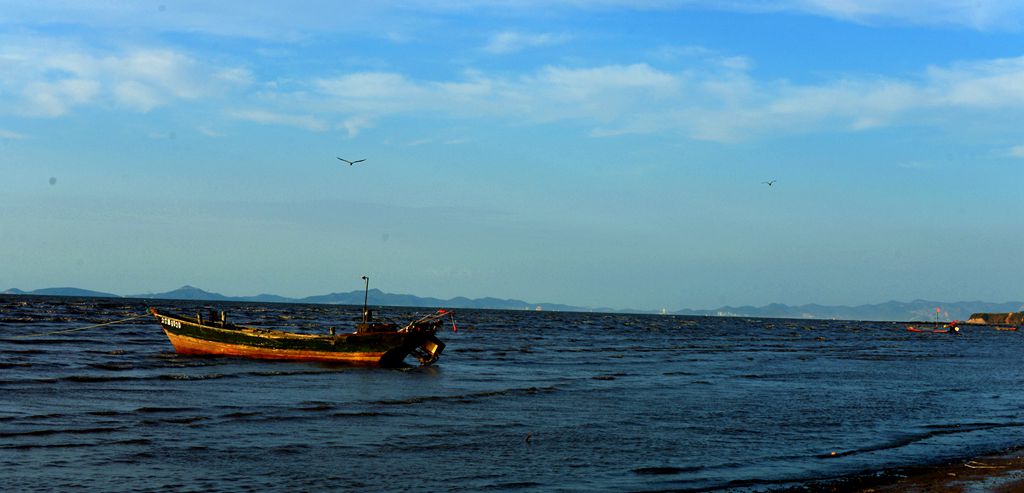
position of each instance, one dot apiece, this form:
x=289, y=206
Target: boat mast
x=366, y=295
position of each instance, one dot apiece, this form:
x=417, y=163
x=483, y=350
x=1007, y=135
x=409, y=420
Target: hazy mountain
x=376, y=298
x=64, y=292
x=186, y=293
x=891, y=310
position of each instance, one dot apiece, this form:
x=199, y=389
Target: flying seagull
x=769, y=182
x=350, y=163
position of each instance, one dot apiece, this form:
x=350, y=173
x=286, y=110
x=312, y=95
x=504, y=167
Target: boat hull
x=196, y=336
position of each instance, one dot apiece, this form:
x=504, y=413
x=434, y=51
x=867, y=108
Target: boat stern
x=429, y=350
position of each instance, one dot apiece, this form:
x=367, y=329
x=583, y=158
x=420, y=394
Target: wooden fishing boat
x=935, y=327
x=372, y=344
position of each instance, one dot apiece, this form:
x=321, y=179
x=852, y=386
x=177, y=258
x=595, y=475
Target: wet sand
x=997, y=473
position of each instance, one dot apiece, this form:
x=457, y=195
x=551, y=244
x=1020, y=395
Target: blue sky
x=596, y=153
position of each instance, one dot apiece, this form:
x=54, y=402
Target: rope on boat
x=431, y=317
x=80, y=328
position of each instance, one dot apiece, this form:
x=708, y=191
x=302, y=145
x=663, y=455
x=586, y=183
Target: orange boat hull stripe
x=190, y=345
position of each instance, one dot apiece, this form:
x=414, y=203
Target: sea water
x=520, y=400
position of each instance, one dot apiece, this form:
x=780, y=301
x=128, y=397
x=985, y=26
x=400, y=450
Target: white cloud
x=989, y=84
x=1016, y=151
x=54, y=77
x=239, y=76
x=370, y=93
x=355, y=124
x=549, y=94
x=402, y=20
x=7, y=134
x=209, y=132
x=587, y=82
x=715, y=96
x=137, y=95
x=981, y=15
x=50, y=99
x=368, y=85
x=513, y=41
x=717, y=99
x=739, y=63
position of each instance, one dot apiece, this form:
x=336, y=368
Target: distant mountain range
x=376, y=297
x=892, y=310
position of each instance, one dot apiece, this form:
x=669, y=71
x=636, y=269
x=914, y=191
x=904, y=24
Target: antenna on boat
x=366, y=296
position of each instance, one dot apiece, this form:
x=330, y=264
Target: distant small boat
x=953, y=326
x=372, y=344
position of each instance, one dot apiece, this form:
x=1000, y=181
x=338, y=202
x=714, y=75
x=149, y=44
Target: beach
x=992, y=473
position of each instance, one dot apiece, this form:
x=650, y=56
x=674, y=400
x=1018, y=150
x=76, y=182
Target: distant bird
x=769, y=182
x=350, y=163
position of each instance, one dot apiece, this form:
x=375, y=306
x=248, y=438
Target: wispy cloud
x=7, y=134
x=402, y=20
x=48, y=78
x=514, y=41
x=397, y=21
x=1016, y=151
x=716, y=99
x=707, y=94
x=983, y=15
x=208, y=131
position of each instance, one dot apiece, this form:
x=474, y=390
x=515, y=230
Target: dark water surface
x=609, y=403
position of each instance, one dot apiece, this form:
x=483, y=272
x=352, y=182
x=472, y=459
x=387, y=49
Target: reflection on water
x=519, y=400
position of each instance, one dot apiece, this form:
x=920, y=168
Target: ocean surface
x=530, y=401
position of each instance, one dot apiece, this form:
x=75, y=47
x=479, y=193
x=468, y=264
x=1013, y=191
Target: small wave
x=149, y=410
x=112, y=378
x=64, y=431
x=44, y=416
x=664, y=471
x=468, y=397
x=14, y=365
x=363, y=414
x=132, y=441
x=182, y=376
x=516, y=485
x=96, y=379
x=57, y=341
x=112, y=366
x=290, y=449
x=29, y=446
x=138, y=458
x=314, y=406
x=174, y=421
x=24, y=351
x=274, y=373
x=937, y=430
x=47, y=445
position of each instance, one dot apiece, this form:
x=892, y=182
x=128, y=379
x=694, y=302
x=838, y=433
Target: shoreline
x=997, y=472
